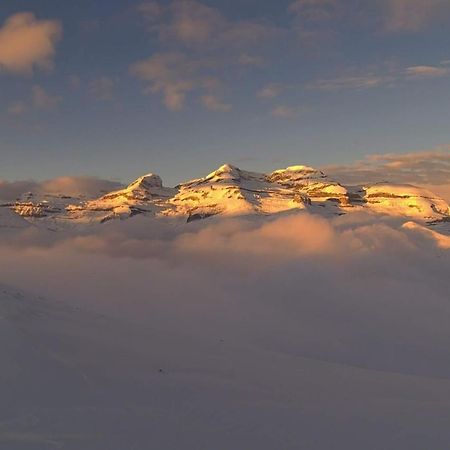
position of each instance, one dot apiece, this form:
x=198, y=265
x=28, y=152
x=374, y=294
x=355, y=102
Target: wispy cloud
x=198, y=42
x=44, y=100
x=103, y=88
x=365, y=81
x=413, y=15
x=284, y=112
x=172, y=74
x=27, y=43
x=195, y=24
x=429, y=168
x=375, y=78
x=40, y=99
x=315, y=10
x=175, y=75
x=427, y=71
x=17, y=108
x=271, y=90
x=214, y=103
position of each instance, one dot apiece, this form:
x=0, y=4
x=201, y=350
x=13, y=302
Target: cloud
x=427, y=71
x=195, y=24
x=196, y=42
x=103, y=88
x=89, y=187
x=171, y=74
x=284, y=112
x=375, y=78
x=413, y=15
x=272, y=90
x=430, y=169
x=175, y=75
x=213, y=103
x=74, y=82
x=365, y=81
x=17, y=108
x=43, y=100
x=151, y=10
x=315, y=10
x=78, y=186
x=27, y=43
x=40, y=100
x=316, y=22
x=322, y=21
x=245, y=59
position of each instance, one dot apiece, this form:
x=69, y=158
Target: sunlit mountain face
x=295, y=297
x=231, y=192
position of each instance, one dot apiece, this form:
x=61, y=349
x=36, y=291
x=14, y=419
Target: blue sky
x=119, y=88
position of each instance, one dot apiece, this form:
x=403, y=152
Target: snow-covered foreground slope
x=230, y=191
x=221, y=373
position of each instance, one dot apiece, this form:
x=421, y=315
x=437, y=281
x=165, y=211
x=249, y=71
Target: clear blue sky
x=117, y=88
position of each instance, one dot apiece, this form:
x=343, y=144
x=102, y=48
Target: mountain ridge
x=231, y=191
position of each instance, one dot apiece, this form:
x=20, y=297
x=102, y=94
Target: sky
x=115, y=89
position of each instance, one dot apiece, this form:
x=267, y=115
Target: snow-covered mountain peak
x=297, y=173
x=148, y=181
x=232, y=174
x=231, y=191
x=225, y=169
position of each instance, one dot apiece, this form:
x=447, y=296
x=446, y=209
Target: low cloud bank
x=354, y=289
x=73, y=186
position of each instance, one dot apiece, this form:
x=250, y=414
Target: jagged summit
x=231, y=191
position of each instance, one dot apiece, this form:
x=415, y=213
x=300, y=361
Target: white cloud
x=27, y=43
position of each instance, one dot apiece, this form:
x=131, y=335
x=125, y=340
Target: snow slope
x=75, y=380
x=405, y=200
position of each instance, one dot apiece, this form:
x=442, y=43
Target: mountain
x=230, y=191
